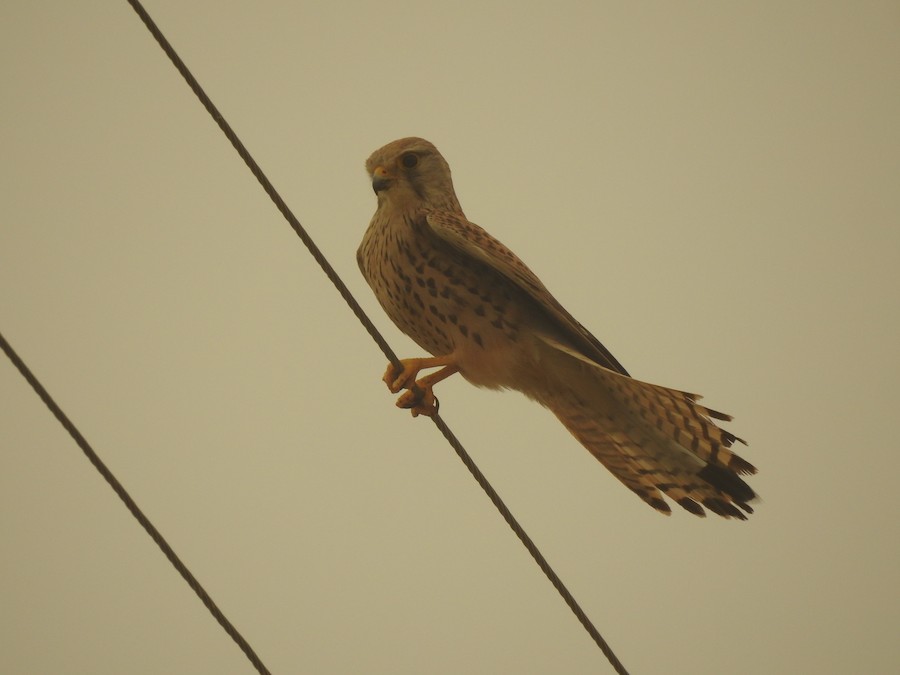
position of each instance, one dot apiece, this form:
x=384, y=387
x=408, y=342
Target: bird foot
x=419, y=397
x=404, y=377
x=419, y=401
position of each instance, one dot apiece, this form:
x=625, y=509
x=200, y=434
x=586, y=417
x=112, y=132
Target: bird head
x=411, y=173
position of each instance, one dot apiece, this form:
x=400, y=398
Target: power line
x=373, y=331
x=130, y=504
x=530, y=545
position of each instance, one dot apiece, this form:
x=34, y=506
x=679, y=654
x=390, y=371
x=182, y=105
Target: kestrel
x=478, y=310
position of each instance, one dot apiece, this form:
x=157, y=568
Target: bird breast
x=446, y=302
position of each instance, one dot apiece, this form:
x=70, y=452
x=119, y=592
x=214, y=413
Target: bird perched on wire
x=470, y=302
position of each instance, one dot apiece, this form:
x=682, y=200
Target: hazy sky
x=710, y=187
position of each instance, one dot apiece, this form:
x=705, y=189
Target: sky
x=710, y=188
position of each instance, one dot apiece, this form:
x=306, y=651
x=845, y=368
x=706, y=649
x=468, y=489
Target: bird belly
x=448, y=306
x=486, y=348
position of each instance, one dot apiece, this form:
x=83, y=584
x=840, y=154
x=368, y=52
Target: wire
x=120, y=490
x=530, y=545
x=372, y=330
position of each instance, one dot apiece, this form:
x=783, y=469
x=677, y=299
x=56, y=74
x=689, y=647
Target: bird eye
x=409, y=160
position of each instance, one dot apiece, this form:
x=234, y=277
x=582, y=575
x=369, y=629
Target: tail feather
x=654, y=440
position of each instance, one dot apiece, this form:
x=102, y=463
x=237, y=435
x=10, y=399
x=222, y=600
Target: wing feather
x=473, y=242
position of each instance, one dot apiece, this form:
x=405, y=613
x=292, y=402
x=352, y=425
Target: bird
x=479, y=311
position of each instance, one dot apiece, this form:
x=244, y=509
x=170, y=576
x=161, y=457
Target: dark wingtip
x=741, y=466
x=659, y=504
x=716, y=415
x=723, y=508
x=689, y=504
x=728, y=482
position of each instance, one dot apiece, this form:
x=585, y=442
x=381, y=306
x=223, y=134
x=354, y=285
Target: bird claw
x=419, y=401
x=419, y=398
x=404, y=379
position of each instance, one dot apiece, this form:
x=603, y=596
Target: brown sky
x=711, y=188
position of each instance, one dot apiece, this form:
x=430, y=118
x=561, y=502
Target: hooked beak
x=381, y=180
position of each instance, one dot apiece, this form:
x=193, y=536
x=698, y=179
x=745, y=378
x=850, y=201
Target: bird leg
x=421, y=400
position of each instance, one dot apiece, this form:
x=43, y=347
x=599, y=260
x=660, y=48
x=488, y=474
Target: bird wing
x=475, y=243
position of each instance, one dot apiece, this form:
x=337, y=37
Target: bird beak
x=381, y=180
